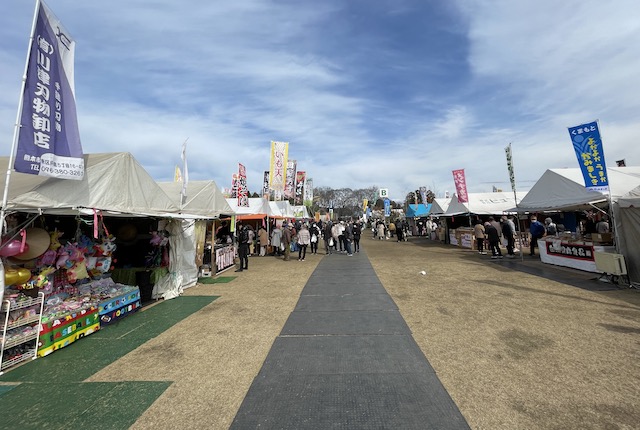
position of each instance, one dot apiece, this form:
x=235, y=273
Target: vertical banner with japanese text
x=234, y=186
x=290, y=181
x=265, y=185
x=243, y=191
x=512, y=176
x=588, y=146
x=278, y=168
x=301, y=177
x=49, y=138
x=461, y=185
x=308, y=191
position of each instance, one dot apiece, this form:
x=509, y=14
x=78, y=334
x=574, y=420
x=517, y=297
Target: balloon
x=16, y=276
x=9, y=249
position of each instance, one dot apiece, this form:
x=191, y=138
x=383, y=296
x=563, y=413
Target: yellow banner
x=278, y=166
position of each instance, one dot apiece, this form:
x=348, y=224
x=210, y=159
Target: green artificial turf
x=218, y=280
x=52, y=394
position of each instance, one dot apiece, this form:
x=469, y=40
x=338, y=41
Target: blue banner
x=588, y=146
x=387, y=207
x=49, y=139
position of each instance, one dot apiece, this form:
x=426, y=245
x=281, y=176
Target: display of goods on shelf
x=19, y=325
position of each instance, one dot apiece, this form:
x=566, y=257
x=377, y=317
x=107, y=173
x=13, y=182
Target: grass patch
x=218, y=280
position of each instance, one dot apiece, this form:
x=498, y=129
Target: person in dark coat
x=494, y=240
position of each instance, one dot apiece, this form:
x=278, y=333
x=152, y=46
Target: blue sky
x=389, y=93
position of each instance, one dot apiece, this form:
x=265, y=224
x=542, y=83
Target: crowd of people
x=343, y=236
x=305, y=236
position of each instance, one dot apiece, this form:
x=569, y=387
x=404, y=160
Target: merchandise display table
x=570, y=253
x=62, y=330
x=114, y=308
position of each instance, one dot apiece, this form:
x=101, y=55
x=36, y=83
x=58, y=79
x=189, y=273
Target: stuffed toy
x=55, y=240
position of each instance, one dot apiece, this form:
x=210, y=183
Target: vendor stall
x=563, y=191
x=577, y=254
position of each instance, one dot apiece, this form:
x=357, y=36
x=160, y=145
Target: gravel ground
x=515, y=351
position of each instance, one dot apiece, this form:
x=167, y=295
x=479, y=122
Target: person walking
x=304, y=239
x=536, y=230
x=263, y=240
x=348, y=238
x=380, y=227
x=400, y=231
x=314, y=231
x=494, y=239
x=335, y=234
x=243, y=248
x=327, y=237
x=479, y=233
x=357, y=233
x=286, y=240
x=341, y=228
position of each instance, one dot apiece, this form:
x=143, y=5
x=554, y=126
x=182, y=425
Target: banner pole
x=12, y=154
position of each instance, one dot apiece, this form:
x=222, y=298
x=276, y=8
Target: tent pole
x=14, y=143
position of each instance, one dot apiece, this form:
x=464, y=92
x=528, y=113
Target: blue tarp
x=417, y=211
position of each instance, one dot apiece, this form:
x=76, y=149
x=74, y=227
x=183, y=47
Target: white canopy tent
x=563, y=189
x=115, y=183
x=483, y=204
x=439, y=206
x=300, y=212
x=285, y=208
x=259, y=207
x=203, y=201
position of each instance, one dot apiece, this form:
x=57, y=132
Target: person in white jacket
x=304, y=239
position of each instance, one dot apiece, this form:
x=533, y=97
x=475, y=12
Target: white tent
x=563, y=189
x=300, y=212
x=275, y=210
x=285, y=208
x=115, y=183
x=258, y=208
x=203, y=201
x=483, y=204
x=627, y=225
x=439, y=206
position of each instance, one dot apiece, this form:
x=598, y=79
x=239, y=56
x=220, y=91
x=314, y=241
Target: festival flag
x=512, y=176
x=423, y=195
x=278, y=167
x=301, y=177
x=461, y=185
x=588, y=146
x=234, y=186
x=365, y=204
x=265, y=185
x=308, y=191
x=48, y=138
x=185, y=176
x=290, y=182
x=177, y=176
x=243, y=192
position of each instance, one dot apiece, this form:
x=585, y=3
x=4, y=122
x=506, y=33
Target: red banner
x=461, y=186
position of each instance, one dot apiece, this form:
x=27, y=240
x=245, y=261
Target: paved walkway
x=346, y=359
